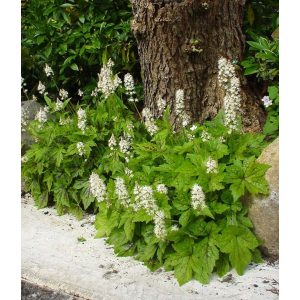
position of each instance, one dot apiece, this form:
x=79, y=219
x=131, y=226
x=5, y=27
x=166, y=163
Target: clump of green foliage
x=192, y=240
x=73, y=37
x=265, y=61
x=261, y=63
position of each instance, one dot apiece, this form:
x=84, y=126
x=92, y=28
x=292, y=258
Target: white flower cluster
x=125, y=145
x=129, y=87
x=24, y=159
x=161, y=105
x=23, y=85
x=179, y=108
x=197, y=197
x=80, y=93
x=63, y=94
x=159, y=225
x=193, y=128
x=222, y=139
x=211, y=166
x=174, y=227
x=97, y=187
x=64, y=121
x=267, y=101
x=231, y=85
x=41, y=115
x=161, y=188
x=112, y=142
x=107, y=81
x=124, y=142
x=128, y=172
x=122, y=192
x=149, y=121
x=80, y=148
x=48, y=71
x=41, y=88
x=205, y=136
x=191, y=135
x=144, y=199
x=58, y=105
x=81, y=119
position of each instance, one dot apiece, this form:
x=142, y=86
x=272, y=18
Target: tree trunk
x=180, y=43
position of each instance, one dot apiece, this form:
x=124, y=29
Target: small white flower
x=128, y=172
x=149, y=121
x=211, y=166
x=193, y=128
x=197, y=197
x=190, y=136
x=161, y=188
x=107, y=81
x=222, y=139
x=34, y=98
x=64, y=121
x=41, y=88
x=80, y=148
x=48, y=70
x=129, y=84
x=23, y=84
x=159, y=225
x=81, y=119
x=94, y=93
x=41, y=115
x=63, y=94
x=267, y=101
x=80, y=93
x=144, y=200
x=124, y=145
x=58, y=105
x=174, y=227
x=112, y=143
x=24, y=159
x=122, y=192
x=205, y=136
x=97, y=187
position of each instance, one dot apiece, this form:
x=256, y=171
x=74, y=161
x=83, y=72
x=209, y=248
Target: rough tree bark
x=180, y=42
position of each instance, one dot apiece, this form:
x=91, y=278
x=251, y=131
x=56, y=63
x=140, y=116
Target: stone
x=28, y=109
x=264, y=210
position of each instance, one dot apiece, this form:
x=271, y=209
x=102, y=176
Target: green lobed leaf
x=238, y=241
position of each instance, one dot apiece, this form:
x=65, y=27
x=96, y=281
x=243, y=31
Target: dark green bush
x=72, y=36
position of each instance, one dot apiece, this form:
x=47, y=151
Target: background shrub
x=74, y=37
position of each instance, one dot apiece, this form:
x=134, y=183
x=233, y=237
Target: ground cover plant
x=170, y=198
x=166, y=190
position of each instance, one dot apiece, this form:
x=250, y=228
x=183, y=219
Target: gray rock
x=28, y=109
x=264, y=211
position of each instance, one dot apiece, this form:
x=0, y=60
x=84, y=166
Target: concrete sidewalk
x=53, y=257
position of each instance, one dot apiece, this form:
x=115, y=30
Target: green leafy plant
x=72, y=36
x=265, y=61
x=170, y=199
x=271, y=127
